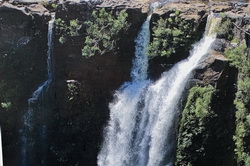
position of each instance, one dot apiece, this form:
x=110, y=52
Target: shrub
x=224, y=30
x=238, y=59
x=170, y=34
x=102, y=32
x=195, y=118
x=67, y=31
x=6, y=105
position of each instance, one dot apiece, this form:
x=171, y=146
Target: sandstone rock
x=189, y=11
x=186, y=17
x=8, y=6
x=133, y=4
x=25, y=2
x=34, y=9
x=221, y=7
x=219, y=45
x=38, y=9
x=212, y=70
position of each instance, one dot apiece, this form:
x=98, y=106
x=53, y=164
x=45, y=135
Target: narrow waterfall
x=26, y=140
x=1, y=149
x=120, y=130
x=142, y=129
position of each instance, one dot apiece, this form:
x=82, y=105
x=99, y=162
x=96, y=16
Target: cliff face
x=83, y=110
x=23, y=45
x=76, y=109
x=211, y=140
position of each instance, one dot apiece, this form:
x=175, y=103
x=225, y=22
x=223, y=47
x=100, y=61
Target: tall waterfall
x=26, y=139
x=143, y=116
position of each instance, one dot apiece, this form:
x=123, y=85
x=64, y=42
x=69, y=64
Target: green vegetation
x=193, y=131
x=6, y=105
x=72, y=91
x=224, y=30
x=67, y=31
x=49, y=5
x=102, y=32
x=238, y=59
x=44, y=3
x=170, y=34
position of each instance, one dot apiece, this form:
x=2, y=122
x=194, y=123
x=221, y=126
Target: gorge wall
x=76, y=106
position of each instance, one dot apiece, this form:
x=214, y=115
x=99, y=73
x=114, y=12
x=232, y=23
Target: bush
x=224, y=30
x=102, y=32
x=195, y=119
x=6, y=105
x=67, y=31
x=169, y=34
x=238, y=59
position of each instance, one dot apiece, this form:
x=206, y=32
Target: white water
x=140, y=63
x=28, y=126
x=1, y=149
x=141, y=130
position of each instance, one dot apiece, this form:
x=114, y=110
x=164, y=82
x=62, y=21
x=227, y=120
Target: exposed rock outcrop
x=23, y=45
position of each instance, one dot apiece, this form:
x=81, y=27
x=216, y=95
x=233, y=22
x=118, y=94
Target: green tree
x=66, y=30
x=169, y=34
x=238, y=59
x=102, y=31
x=193, y=132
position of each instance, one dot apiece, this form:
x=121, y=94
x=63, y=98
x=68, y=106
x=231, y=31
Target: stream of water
x=144, y=114
x=26, y=139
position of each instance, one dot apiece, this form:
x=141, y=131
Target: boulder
x=213, y=70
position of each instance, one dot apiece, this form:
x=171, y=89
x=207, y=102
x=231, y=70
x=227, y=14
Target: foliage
x=102, y=30
x=6, y=105
x=235, y=40
x=169, y=34
x=238, y=58
x=195, y=118
x=67, y=29
x=44, y=3
x=222, y=14
x=50, y=5
x=224, y=29
x=53, y=5
x=72, y=90
x=242, y=133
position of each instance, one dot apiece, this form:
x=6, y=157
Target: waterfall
x=140, y=63
x=1, y=149
x=123, y=110
x=26, y=141
x=143, y=116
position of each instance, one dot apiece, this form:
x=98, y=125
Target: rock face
x=94, y=79
x=218, y=148
x=82, y=87
x=23, y=45
x=212, y=70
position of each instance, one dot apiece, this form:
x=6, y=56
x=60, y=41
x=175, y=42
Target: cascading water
x=142, y=129
x=161, y=105
x=123, y=111
x=26, y=140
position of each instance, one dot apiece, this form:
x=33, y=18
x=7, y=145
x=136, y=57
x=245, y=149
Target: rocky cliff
x=82, y=88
